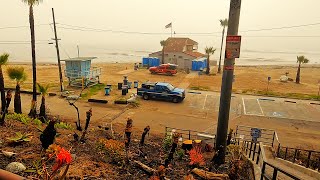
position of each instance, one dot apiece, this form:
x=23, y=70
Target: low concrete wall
x=300, y=168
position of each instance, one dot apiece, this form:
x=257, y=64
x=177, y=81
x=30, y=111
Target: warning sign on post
x=233, y=44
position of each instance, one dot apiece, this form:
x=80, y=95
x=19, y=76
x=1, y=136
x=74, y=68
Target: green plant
x=180, y=154
x=167, y=142
x=93, y=90
x=36, y=167
x=20, y=138
x=20, y=117
x=63, y=125
x=37, y=122
x=200, y=88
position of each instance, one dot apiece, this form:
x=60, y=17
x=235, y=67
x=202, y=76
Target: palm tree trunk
x=298, y=74
x=208, y=65
x=43, y=115
x=3, y=96
x=33, y=110
x=219, y=67
x=17, y=100
x=162, y=60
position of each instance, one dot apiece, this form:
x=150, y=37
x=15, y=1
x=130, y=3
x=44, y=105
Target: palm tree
x=44, y=91
x=17, y=74
x=3, y=60
x=163, y=43
x=300, y=60
x=224, y=24
x=209, y=50
x=31, y=3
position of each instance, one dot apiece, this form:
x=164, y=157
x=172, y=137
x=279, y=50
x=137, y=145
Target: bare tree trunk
x=3, y=96
x=219, y=68
x=298, y=74
x=33, y=110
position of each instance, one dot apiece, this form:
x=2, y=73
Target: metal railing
x=254, y=151
x=92, y=73
x=307, y=158
x=268, y=136
x=193, y=135
x=275, y=172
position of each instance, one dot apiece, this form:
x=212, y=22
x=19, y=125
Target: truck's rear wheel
x=169, y=74
x=145, y=96
x=176, y=99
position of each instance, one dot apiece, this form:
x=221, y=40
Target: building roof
x=194, y=54
x=174, y=44
x=80, y=59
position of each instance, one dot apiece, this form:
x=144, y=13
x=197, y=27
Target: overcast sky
x=151, y=16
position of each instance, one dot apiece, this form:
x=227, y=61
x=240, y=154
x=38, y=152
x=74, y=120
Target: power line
x=84, y=28
x=17, y=27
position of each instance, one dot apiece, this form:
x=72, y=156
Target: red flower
x=196, y=157
x=63, y=157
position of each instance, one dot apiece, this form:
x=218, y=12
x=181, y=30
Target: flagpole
x=171, y=29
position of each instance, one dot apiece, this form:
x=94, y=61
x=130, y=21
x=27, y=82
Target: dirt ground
x=250, y=78
x=246, y=78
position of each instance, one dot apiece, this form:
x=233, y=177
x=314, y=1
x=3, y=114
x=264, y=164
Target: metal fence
x=254, y=151
x=307, y=158
x=267, y=135
x=193, y=135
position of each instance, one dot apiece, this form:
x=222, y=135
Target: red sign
x=233, y=44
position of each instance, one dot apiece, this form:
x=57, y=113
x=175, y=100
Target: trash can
x=107, y=91
x=119, y=86
x=109, y=86
x=135, y=83
x=129, y=85
x=124, y=90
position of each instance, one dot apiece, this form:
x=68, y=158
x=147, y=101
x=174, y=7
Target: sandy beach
x=247, y=78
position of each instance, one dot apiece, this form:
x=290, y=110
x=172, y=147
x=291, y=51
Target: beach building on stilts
x=80, y=73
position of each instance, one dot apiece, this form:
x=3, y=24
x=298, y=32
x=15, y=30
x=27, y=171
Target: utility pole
x=58, y=53
x=226, y=87
x=78, y=50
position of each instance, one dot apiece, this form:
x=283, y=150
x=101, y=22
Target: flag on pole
x=168, y=25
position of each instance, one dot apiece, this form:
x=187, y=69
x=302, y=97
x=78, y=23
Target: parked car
x=168, y=69
x=161, y=90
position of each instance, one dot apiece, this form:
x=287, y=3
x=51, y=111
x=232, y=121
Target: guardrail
x=254, y=151
x=193, y=135
x=307, y=158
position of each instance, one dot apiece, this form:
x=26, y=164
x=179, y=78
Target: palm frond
x=209, y=50
x=43, y=89
x=4, y=58
x=17, y=74
x=223, y=22
x=32, y=2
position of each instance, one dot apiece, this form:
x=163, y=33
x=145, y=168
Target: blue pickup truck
x=160, y=90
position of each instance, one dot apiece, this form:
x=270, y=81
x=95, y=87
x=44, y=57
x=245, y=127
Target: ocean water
x=47, y=54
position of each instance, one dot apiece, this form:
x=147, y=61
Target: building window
x=180, y=56
x=174, y=55
x=166, y=54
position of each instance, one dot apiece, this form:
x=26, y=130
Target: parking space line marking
x=260, y=107
x=204, y=103
x=244, y=107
